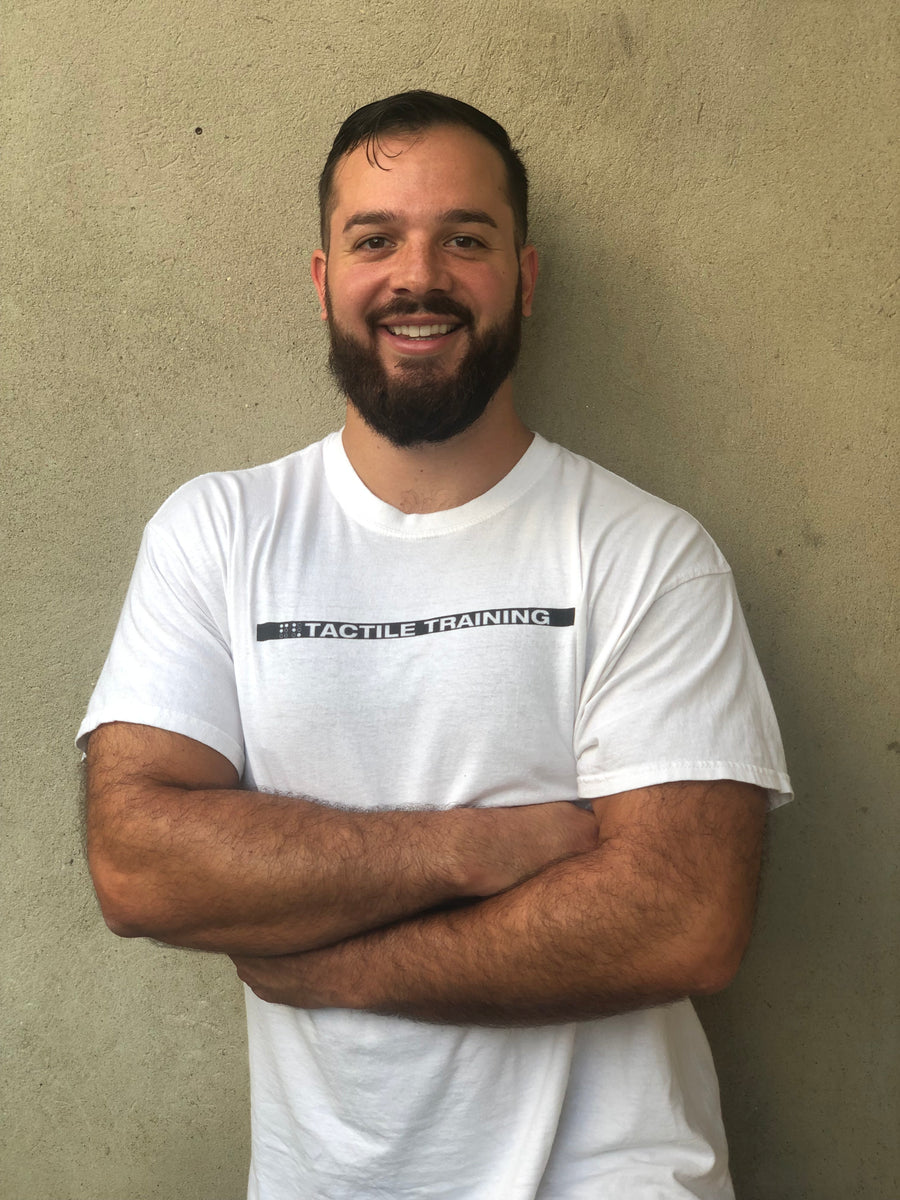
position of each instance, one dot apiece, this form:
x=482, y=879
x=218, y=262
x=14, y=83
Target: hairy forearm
x=243, y=871
x=219, y=868
x=563, y=947
x=616, y=929
x=560, y=947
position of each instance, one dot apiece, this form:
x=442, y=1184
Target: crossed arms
x=478, y=916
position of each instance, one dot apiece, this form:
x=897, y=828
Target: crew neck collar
x=366, y=508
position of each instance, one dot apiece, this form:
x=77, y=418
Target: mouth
x=414, y=337
x=420, y=331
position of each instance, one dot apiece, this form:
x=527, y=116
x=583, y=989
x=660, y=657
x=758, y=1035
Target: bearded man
x=453, y=741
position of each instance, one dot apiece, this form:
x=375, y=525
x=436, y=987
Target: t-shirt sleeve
x=170, y=663
x=683, y=697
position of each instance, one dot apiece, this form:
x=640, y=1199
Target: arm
x=179, y=852
x=661, y=909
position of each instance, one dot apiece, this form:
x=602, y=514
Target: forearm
x=215, y=867
x=606, y=932
x=546, y=951
x=562, y=947
x=242, y=871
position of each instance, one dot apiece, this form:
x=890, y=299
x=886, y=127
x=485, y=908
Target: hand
x=523, y=841
x=299, y=980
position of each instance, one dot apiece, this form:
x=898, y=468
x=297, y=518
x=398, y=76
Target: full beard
x=422, y=404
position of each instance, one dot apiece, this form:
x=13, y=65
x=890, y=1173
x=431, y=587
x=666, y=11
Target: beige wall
x=715, y=198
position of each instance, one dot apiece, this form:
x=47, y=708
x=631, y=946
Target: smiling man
x=453, y=741
x=418, y=295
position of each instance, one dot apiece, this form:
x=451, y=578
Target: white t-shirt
x=563, y=635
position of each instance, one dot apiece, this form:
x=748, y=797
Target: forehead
x=417, y=174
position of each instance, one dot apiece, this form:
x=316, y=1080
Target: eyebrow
x=453, y=216
x=468, y=216
x=379, y=217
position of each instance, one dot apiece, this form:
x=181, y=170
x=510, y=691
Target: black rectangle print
x=373, y=631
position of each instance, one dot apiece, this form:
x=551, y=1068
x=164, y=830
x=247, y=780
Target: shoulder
x=220, y=503
x=621, y=526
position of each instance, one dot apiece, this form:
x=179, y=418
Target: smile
x=420, y=331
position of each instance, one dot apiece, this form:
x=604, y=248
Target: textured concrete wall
x=715, y=200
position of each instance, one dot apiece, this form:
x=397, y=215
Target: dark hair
x=411, y=112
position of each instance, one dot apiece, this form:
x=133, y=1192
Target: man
x=452, y=740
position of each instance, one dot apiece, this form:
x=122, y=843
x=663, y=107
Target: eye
x=465, y=241
x=377, y=241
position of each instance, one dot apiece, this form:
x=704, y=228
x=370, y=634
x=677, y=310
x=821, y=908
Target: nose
x=418, y=267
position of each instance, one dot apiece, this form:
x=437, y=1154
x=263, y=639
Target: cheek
x=358, y=297
x=348, y=284
x=495, y=302
x=493, y=288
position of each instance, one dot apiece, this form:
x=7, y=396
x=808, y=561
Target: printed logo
x=370, y=631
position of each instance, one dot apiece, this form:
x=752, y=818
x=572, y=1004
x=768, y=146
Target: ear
x=528, y=265
x=317, y=269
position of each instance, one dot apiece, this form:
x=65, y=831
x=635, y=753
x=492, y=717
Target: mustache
x=434, y=303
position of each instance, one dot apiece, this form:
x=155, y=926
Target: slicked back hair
x=412, y=112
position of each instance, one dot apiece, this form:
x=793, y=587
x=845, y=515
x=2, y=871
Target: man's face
x=423, y=286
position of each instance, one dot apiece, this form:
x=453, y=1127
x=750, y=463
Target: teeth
x=419, y=331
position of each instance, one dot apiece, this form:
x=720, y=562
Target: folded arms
x=488, y=916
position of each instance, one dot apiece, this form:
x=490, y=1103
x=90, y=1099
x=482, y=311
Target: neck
x=429, y=478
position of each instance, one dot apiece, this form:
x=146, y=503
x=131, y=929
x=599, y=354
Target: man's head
x=425, y=278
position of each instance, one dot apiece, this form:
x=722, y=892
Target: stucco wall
x=715, y=201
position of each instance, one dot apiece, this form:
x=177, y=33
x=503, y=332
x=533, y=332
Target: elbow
x=123, y=899
x=119, y=920
x=134, y=903
x=122, y=916
x=713, y=977
x=716, y=964
x=120, y=925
